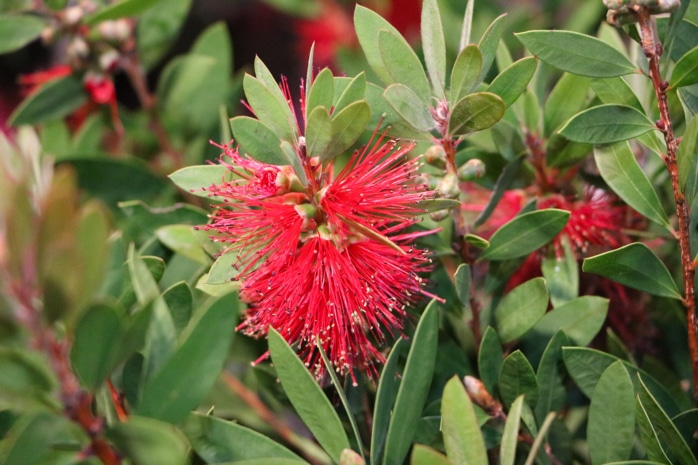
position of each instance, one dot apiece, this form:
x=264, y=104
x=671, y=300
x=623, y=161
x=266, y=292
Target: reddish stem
x=653, y=51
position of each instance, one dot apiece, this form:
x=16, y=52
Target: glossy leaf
x=577, y=53
x=54, y=99
x=16, y=31
x=605, y=124
x=347, y=127
x=96, y=344
x=520, y=309
x=616, y=91
x=462, y=282
x=568, y=97
x=434, y=45
x=388, y=385
x=518, y=378
x=513, y=80
x=180, y=302
x=686, y=70
x=268, y=109
x=307, y=397
x=581, y=319
x=318, y=131
x=461, y=430
x=687, y=159
x=475, y=112
x=188, y=375
x=668, y=435
x=551, y=378
x=561, y=275
x=611, y=427
x=649, y=438
x=423, y=455
x=490, y=358
x=368, y=25
x=634, y=265
x=120, y=9
x=258, y=140
x=620, y=169
x=466, y=72
x=408, y=105
x=146, y=440
x=510, y=435
x=414, y=387
x=217, y=441
x=402, y=64
x=525, y=233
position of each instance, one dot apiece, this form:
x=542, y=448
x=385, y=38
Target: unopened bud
x=448, y=187
x=622, y=12
x=115, y=31
x=109, y=60
x=480, y=396
x=435, y=156
x=47, y=35
x=472, y=169
x=349, y=457
x=439, y=215
x=72, y=15
x=77, y=49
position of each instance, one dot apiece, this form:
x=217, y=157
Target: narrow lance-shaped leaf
x=410, y=108
x=347, y=127
x=520, y=309
x=434, y=45
x=461, y=430
x=475, y=112
x=687, y=159
x=577, y=53
x=402, y=64
x=605, y=124
x=368, y=24
x=321, y=92
x=16, y=31
x=258, y=140
x=307, y=397
x=466, y=72
x=634, y=265
x=53, y=100
x=318, y=131
x=518, y=378
x=620, y=169
x=489, y=42
x=267, y=107
x=686, y=70
x=513, y=80
x=511, y=432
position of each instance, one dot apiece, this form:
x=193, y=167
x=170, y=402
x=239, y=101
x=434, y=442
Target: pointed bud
x=480, y=396
x=472, y=169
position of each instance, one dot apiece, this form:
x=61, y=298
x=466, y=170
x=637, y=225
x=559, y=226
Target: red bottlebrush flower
x=331, y=262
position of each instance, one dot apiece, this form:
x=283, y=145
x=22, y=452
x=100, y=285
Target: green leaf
x=621, y=171
x=665, y=429
x=414, y=387
x=26, y=381
x=194, y=179
x=318, y=131
x=54, y=99
x=96, y=344
x=520, y=309
x=120, y=9
x=461, y=430
x=388, y=385
x=307, y=397
x=615, y=90
x=188, y=375
x=434, y=45
x=182, y=238
x=581, y=319
x=611, y=426
x=402, y=64
x=354, y=91
x=551, y=378
x=432, y=205
x=490, y=358
x=268, y=109
x=157, y=28
x=217, y=441
x=518, y=378
x=146, y=440
x=462, y=282
x=686, y=70
x=489, y=42
x=648, y=437
x=368, y=25
x=31, y=439
x=321, y=92
x=16, y=31
x=510, y=435
x=513, y=80
x=347, y=127
x=423, y=455
x=475, y=112
x=634, y=265
x=258, y=140
x=577, y=53
x=525, y=233
x=687, y=159
x=179, y=300
x=466, y=72
x=568, y=97
x=605, y=124
x=410, y=108
x=562, y=275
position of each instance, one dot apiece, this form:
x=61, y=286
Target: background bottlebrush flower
x=331, y=262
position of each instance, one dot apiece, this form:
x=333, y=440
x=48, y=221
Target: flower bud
x=480, y=396
x=78, y=49
x=115, y=31
x=349, y=457
x=435, y=156
x=72, y=15
x=439, y=215
x=448, y=187
x=472, y=169
x=109, y=60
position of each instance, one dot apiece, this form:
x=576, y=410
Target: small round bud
x=435, y=156
x=472, y=169
x=115, y=31
x=439, y=215
x=78, y=49
x=448, y=187
x=349, y=457
x=109, y=60
x=72, y=15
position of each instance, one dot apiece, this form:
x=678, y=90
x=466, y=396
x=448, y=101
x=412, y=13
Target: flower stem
x=653, y=51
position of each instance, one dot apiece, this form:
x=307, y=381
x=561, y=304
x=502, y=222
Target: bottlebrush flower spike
x=331, y=261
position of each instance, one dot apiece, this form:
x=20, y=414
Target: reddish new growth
x=330, y=260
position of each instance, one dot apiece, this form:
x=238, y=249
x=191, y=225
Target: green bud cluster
x=622, y=12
